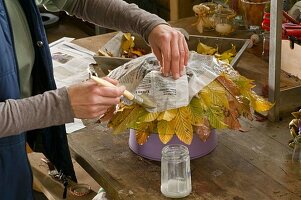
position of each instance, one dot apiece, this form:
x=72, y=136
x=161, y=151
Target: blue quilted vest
x=15, y=172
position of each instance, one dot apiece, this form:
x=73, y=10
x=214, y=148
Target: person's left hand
x=170, y=48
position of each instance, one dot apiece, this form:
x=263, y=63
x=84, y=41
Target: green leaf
x=196, y=111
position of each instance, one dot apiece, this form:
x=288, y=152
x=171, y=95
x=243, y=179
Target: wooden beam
x=174, y=9
x=275, y=58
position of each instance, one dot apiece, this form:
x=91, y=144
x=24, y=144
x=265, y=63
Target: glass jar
x=296, y=156
x=224, y=21
x=253, y=11
x=175, y=171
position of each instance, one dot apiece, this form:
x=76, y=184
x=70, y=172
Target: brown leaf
x=203, y=130
x=142, y=136
x=108, y=114
x=228, y=85
x=231, y=117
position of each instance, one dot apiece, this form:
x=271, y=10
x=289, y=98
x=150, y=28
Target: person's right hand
x=90, y=100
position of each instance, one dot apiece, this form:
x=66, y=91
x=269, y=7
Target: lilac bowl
x=153, y=147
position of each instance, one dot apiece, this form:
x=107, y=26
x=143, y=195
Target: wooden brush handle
x=103, y=82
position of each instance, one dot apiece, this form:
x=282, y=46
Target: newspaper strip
x=142, y=76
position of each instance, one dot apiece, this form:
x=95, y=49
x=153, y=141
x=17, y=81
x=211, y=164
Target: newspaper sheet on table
x=70, y=62
x=142, y=76
x=70, y=66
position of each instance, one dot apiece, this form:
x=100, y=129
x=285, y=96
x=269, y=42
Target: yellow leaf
x=227, y=55
x=137, y=52
x=148, y=117
x=214, y=94
x=121, y=113
x=259, y=103
x=183, y=127
x=244, y=84
x=126, y=119
x=167, y=115
x=128, y=42
x=214, y=115
x=127, y=36
x=204, y=49
x=166, y=130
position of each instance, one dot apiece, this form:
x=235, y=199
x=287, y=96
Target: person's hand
x=170, y=48
x=90, y=100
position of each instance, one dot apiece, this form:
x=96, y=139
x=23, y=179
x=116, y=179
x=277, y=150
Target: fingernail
x=165, y=74
x=122, y=88
x=182, y=72
x=177, y=76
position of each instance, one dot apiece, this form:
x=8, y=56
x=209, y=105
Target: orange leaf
x=142, y=136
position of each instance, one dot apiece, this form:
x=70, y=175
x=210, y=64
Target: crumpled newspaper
x=142, y=76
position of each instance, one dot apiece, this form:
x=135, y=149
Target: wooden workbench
x=253, y=164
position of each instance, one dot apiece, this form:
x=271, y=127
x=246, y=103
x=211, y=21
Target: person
x=31, y=107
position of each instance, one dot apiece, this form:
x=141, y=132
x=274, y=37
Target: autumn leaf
x=206, y=50
x=227, y=56
x=108, y=114
x=120, y=115
x=231, y=116
x=244, y=84
x=234, y=92
x=128, y=42
x=214, y=115
x=203, y=130
x=167, y=115
x=143, y=130
x=214, y=94
x=166, y=130
x=228, y=84
x=183, y=127
x=149, y=117
x=258, y=103
x=126, y=119
x=218, y=105
x=196, y=112
x=142, y=136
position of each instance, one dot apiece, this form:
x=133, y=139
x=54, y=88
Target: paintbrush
x=147, y=103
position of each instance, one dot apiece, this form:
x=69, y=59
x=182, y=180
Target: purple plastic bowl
x=153, y=147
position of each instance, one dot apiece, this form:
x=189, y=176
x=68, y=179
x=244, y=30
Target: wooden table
x=254, y=164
